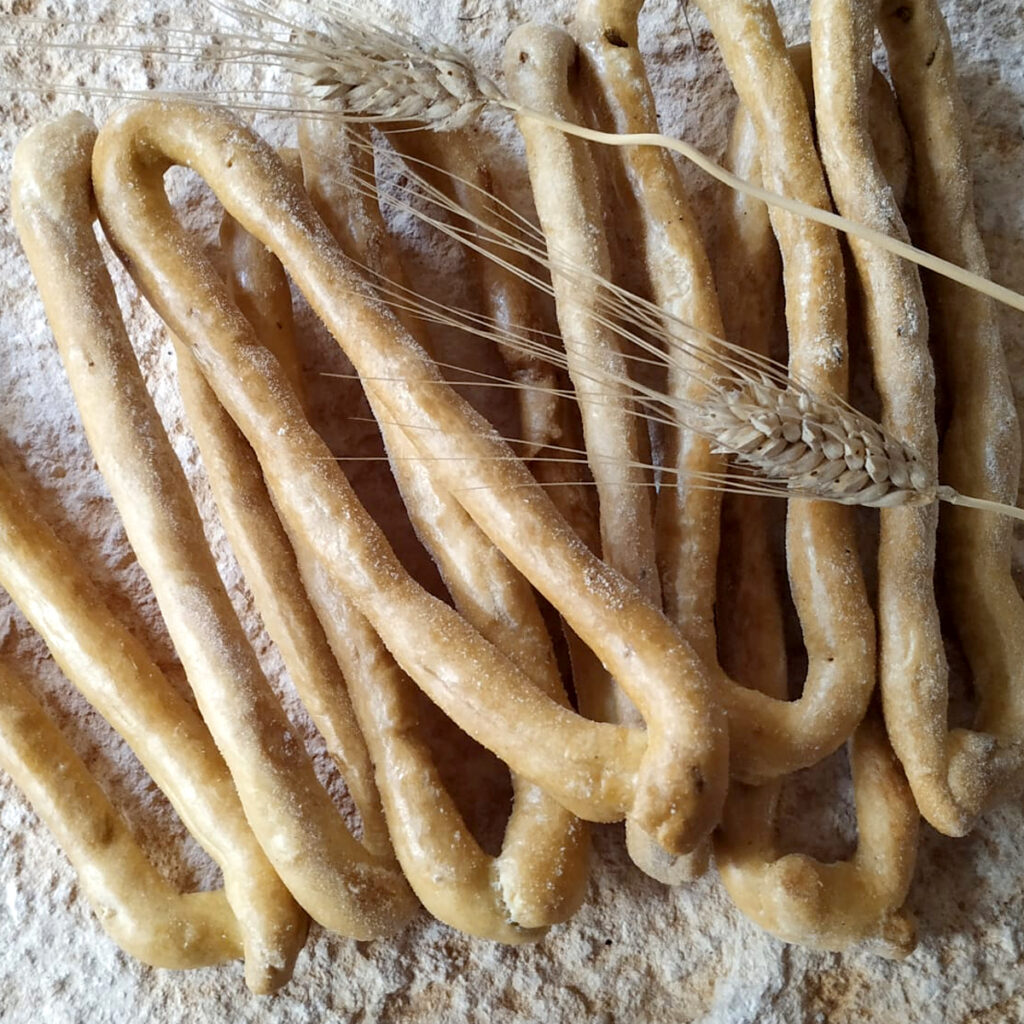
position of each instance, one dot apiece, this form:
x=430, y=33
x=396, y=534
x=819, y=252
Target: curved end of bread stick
x=537, y=59
x=33, y=186
x=857, y=903
x=682, y=786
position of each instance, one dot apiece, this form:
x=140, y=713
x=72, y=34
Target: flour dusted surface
x=636, y=951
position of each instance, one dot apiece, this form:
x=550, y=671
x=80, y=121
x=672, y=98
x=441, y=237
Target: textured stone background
x=636, y=951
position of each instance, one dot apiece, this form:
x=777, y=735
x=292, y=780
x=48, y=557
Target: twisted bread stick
x=911, y=654
x=549, y=425
x=51, y=199
x=114, y=672
x=298, y=827
x=797, y=898
x=538, y=64
x=687, y=521
x=773, y=737
x=682, y=285
x=670, y=779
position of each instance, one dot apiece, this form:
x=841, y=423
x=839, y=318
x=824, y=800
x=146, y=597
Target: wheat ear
x=377, y=74
x=795, y=442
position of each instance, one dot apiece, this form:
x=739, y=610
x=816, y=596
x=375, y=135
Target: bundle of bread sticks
x=696, y=568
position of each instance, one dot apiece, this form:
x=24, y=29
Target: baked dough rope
x=857, y=902
x=670, y=778
x=344, y=886
x=259, y=286
x=679, y=281
x=957, y=773
x=451, y=168
x=112, y=669
x=270, y=568
x=769, y=735
x=566, y=192
x=133, y=902
x=540, y=876
x=114, y=672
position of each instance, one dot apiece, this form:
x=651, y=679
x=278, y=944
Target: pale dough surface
x=636, y=951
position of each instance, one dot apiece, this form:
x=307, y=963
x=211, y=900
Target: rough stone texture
x=636, y=951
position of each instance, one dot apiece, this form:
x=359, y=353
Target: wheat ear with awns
x=378, y=74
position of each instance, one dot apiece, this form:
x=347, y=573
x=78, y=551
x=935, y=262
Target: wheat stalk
x=378, y=74
x=373, y=70
x=817, y=448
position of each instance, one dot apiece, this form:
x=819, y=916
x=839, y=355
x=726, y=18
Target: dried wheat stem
x=382, y=74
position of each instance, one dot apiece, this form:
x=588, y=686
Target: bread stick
x=115, y=673
x=137, y=908
x=957, y=773
x=772, y=737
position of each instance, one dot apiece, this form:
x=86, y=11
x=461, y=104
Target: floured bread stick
x=670, y=778
x=511, y=898
x=302, y=833
x=748, y=273
x=542, y=870
x=956, y=773
x=797, y=898
x=259, y=286
x=114, y=672
x=772, y=737
x=541, y=877
x=135, y=905
x=564, y=179
x=688, y=517
x=680, y=282
x=912, y=657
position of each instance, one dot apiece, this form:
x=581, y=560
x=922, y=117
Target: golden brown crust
x=115, y=673
x=856, y=902
x=257, y=538
x=680, y=281
x=860, y=900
